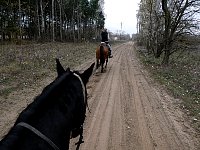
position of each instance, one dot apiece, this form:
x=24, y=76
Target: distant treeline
x=51, y=20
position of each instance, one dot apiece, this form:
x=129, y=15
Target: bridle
x=82, y=84
x=84, y=90
x=41, y=135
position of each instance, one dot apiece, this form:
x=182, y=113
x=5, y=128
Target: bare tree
x=164, y=22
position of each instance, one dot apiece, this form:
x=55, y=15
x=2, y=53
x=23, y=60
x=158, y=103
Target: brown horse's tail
x=102, y=58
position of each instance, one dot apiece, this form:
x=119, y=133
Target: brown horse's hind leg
x=101, y=67
x=106, y=63
x=97, y=64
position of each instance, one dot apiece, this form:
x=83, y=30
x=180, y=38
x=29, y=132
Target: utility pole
x=121, y=31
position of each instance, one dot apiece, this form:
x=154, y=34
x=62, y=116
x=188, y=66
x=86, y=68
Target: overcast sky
x=117, y=11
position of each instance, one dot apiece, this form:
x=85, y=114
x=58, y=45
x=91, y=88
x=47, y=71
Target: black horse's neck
x=57, y=111
x=53, y=113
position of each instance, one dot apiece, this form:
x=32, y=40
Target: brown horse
x=102, y=55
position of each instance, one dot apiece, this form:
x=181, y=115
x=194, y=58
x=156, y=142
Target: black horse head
x=80, y=114
x=55, y=115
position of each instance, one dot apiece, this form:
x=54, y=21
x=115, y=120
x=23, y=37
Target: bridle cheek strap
x=38, y=133
x=83, y=86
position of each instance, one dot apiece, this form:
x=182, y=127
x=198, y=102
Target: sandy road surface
x=129, y=113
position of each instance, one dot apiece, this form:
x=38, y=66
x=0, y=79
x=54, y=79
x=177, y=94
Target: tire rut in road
x=104, y=96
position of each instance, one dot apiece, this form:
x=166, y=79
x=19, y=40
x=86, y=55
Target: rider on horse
x=104, y=38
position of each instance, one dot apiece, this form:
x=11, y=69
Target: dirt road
x=128, y=112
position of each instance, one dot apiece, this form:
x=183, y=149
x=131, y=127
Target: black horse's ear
x=68, y=69
x=60, y=69
x=87, y=73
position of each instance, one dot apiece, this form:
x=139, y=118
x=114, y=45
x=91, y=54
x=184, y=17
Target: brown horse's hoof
x=111, y=56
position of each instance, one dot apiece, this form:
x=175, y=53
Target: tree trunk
x=78, y=26
x=61, y=23
x=53, y=32
x=20, y=29
x=38, y=21
x=2, y=27
x=29, y=17
x=42, y=19
x=165, y=60
x=73, y=23
x=166, y=33
x=159, y=50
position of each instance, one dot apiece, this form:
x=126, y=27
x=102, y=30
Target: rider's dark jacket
x=104, y=36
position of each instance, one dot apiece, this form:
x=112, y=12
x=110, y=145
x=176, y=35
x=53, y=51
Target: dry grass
x=181, y=78
x=26, y=65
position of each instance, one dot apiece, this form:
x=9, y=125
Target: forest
x=54, y=20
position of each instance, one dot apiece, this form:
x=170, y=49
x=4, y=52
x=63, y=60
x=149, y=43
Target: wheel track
x=156, y=108
x=144, y=138
x=104, y=106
